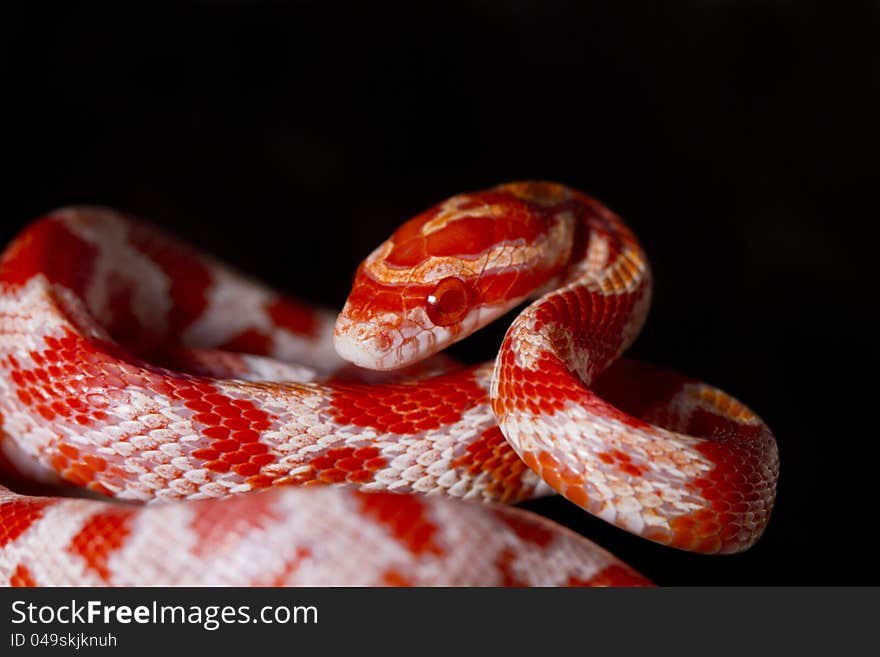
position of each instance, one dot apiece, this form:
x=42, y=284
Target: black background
x=737, y=138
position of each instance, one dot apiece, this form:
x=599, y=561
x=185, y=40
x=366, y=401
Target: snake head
x=451, y=270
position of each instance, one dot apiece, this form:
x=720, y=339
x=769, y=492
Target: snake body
x=139, y=369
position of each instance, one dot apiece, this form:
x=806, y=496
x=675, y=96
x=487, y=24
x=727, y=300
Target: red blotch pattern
x=22, y=577
x=249, y=341
x=234, y=427
x=504, y=563
x=526, y=529
x=101, y=536
x=68, y=386
x=491, y=453
x=294, y=316
x=354, y=465
x=215, y=524
x=405, y=517
x=16, y=516
x=188, y=274
x=507, y=218
x=740, y=489
x=406, y=409
x=394, y=578
x=49, y=248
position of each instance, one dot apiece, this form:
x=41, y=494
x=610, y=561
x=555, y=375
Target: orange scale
x=228, y=412
x=656, y=534
x=630, y=469
x=260, y=481
x=548, y=461
x=98, y=487
x=349, y=464
x=235, y=458
x=483, y=454
x=703, y=514
x=552, y=478
x=395, y=400
x=206, y=453
x=79, y=474
x=428, y=424
x=681, y=523
x=247, y=469
x=225, y=445
x=333, y=476
x=254, y=448
x=217, y=466
x=96, y=463
x=262, y=459
x=474, y=469
x=246, y=436
x=571, y=477
x=730, y=532
x=238, y=423
x=363, y=421
x=578, y=495
x=361, y=477
x=531, y=460
x=76, y=404
x=389, y=418
x=402, y=428
x=207, y=418
x=492, y=463
x=24, y=397
x=301, y=479
x=364, y=453
x=375, y=464
x=684, y=541
x=322, y=462
x=186, y=392
x=707, y=528
x=216, y=432
x=198, y=405
x=204, y=388
x=709, y=545
x=61, y=409
x=68, y=450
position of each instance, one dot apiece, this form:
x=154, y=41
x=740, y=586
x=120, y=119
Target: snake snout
x=368, y=344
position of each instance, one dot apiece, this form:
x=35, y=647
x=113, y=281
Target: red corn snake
x=135, y=367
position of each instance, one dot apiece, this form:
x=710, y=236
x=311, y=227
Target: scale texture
x=136, y=368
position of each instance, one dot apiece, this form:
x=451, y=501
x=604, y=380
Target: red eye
x=449, y=302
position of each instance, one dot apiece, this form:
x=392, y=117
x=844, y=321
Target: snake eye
x=448, y=302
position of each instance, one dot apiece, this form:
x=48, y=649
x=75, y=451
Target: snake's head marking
x=451, y=270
